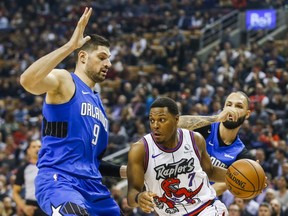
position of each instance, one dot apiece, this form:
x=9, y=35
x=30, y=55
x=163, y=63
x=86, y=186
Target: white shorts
x=216, y=209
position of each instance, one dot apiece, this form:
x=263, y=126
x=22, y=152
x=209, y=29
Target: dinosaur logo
x=174, y=195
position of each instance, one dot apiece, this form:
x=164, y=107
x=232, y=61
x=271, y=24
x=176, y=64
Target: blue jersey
x=222, y=156
x=74, y=133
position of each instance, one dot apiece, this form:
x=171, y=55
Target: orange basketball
x=245, y=178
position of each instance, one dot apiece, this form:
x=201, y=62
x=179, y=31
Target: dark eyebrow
x=103, y=53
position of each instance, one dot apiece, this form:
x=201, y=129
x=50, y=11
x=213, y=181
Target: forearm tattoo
x=193, y=122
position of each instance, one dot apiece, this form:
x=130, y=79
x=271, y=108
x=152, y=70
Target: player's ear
x=177, y=118
x=82, y=56
x=248, y=114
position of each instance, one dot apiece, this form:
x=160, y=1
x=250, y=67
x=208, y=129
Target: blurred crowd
x=153, y=54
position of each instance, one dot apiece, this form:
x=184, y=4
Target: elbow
x=24, y=81
x=28, y=84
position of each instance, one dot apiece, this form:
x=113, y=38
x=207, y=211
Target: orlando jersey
x=176, y=176
x=74, y=133
x=222, y=156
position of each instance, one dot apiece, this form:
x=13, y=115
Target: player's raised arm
x=192, y=122
x=37, y=78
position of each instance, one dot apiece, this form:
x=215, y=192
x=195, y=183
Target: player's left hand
x=78, y=40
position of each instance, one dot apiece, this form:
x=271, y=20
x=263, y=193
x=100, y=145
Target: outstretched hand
x=228, y=113
x=266, y=179
x=78, y=40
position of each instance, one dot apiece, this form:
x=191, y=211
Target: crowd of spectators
x=152, y=55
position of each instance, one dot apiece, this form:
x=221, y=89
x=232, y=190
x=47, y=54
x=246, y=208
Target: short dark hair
x=93, y=43
x=166, y=102
x=244, y=94
x=267, y=205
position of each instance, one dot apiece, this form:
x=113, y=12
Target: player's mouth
x=104, y=72
x=156, y=134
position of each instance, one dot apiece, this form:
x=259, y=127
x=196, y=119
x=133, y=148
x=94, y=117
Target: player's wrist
x=137, y=197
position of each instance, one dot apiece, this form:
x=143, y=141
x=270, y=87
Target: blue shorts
x=61, y=194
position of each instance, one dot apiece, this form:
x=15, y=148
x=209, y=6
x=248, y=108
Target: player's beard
x=95, y=77
x=234, y=124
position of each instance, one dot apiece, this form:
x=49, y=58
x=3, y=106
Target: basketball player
x=75, y=127
x=174, y=166
x=221, y=132
x=25, y=177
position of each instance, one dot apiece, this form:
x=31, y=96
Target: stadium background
x=194, y=51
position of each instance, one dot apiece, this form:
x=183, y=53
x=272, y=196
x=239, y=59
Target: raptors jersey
x=176, y=176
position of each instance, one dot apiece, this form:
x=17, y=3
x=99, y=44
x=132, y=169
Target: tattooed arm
x=192, y=122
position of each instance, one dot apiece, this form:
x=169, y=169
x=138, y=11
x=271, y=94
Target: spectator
x=264, y=209
x=117, y=138
x=255, y=77
x=9, y=208
x=25, y=180
x=258, y=97
x=234, y=210
x=277, y=208
x=281, y=193
x=277, y=161
x=247, y=207
x=261, y=157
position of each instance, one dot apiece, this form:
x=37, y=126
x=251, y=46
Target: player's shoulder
x=198, y=135
x=137, y=144
x=61, y=73
x=137, y=150
x=199, y=140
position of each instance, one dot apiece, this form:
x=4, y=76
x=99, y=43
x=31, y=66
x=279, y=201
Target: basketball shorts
x=217, y=208
x=61, y=194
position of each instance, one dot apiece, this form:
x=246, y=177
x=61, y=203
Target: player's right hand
x=78, y=40
x=228, y=114
x=145, y=201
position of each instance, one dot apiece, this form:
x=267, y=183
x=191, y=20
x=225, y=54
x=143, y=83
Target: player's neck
x=172, y=143
x=228, y=136
x=85, y=79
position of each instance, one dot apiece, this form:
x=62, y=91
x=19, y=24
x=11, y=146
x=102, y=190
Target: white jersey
x=176, y=176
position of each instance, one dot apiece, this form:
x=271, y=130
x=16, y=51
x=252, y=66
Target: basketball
x=245, y=178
